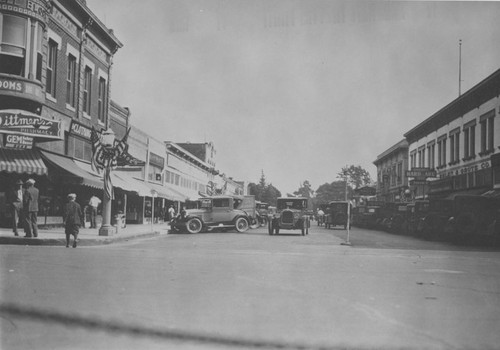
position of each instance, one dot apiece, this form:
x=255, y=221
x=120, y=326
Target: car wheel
x=241, y=224
x=194, y=225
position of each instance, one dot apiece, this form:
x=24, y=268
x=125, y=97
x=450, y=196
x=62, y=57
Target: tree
x=334, y=191
x=304, y=190
x=355, y=176
x=264, y=192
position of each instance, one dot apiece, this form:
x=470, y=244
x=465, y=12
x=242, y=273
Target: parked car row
x=465, y=219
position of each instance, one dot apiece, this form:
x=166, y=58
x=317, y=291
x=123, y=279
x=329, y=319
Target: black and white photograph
x=249, y=174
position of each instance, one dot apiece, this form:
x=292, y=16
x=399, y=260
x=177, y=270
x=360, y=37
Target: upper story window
x=487, y=132
x=101, y=101
x=421, y=157
x=13, y=38
x=413, y=159
x=470, y=140
x=455, y=146
x=39, y=52
x=50, y=85
x=71, y=82
x=87, y=89
x=441, y=143
x=431, y=146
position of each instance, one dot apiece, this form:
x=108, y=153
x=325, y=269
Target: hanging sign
x=18, y=122
x=18, y=141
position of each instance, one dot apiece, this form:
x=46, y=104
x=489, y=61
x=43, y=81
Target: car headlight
x=296, y=215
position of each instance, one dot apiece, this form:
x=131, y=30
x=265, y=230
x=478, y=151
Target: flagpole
x=460, y=67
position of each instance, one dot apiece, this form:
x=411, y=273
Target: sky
x=295, y=89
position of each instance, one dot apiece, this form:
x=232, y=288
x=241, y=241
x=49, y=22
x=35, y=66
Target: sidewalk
x=87, y=236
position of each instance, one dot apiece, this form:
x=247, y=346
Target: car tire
x=241, y=224
x=194, y=225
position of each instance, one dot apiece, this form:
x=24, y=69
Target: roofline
x=480, y=93
x=400, y=145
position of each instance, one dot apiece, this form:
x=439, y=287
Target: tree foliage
x=355, y=175
x=334, y=191
x=305, y=190
x=264, y=192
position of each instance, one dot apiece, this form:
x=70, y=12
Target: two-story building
x=461, y=142
x=392, y=183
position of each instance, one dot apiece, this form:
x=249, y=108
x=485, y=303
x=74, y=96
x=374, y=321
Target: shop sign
x=156, y=160
x=21, y=87
x=421, y=173
x=467, y=169
x=18, y=141
x=33, y=8
x=18, y=122
x=418, y=182
x=80, y=130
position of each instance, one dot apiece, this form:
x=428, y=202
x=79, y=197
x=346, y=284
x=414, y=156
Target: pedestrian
x=93, y=204
x=15, y=198
x=72, y=218
x=171, y=212
x=30, y=208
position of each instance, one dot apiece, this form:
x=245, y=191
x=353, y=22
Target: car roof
x=288, y=198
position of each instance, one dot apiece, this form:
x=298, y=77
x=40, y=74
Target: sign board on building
x=421, y=172
x=418, y=182
x=156, y=160
x=18, y=141
x=18, y=122
x=81, y=130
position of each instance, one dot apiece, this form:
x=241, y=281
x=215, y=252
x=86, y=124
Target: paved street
x=251, y=290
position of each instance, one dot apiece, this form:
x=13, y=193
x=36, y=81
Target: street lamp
x=106, y=229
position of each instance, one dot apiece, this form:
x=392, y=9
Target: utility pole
x=460, y=67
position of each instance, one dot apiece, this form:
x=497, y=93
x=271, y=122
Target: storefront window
x=13, y=32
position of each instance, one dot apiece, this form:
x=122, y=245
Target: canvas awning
x=26, y=161
x=128, y=183
x=68, y=165
x=167, y=192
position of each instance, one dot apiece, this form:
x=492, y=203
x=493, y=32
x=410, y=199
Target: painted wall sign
x=471, y=168
x=33, y=8
x=18, y=122
x=18, y=141
x=156, y=160
x=421, y=172
x=12, y=86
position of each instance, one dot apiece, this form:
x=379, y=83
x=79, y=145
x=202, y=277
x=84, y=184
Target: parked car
x=337, y=214
x=217, y=212
x=436, y=223
x=292, y=213
x=416, y=211
x=262, y=212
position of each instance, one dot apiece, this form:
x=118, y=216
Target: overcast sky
x=297, y=89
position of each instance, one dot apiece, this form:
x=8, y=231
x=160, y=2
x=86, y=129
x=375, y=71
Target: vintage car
x=415, y=212
x=292, y=213
x=436, y=223
x=338, y=213
x=369, y=214
x=217, y=212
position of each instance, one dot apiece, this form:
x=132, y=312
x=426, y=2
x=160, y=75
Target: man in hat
x=72, y=218
x=30, y=207
x=15, y=198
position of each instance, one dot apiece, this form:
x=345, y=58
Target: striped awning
x=26, y=161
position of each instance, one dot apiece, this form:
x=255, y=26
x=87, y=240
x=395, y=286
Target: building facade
x=392, y=183
x=461, y=143
x=55, y=79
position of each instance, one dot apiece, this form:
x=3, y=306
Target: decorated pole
x=105, y=153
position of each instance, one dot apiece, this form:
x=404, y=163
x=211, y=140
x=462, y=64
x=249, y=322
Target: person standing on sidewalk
x=171, y=213
x=93, y=204
x=30, y=208
x=15, y=198
x=72, y=218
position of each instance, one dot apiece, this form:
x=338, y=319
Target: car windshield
x=291, y=204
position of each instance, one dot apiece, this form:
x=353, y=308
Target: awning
x=26, y=161
x=68, y=165
x=167, y=192
x=128, y=183
x=476, y=191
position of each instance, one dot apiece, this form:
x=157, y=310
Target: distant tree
x=334, y=191
x=304, y=190
x=355, y=176
x=264, y=192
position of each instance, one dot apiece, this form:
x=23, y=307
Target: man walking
x=30, y=208
x=72, y=218
x=93, y=204
x=16, y=205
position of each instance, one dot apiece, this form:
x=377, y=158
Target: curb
x=81, y=241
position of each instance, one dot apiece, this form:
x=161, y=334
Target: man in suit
x=15, y=198
x=30, y=207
